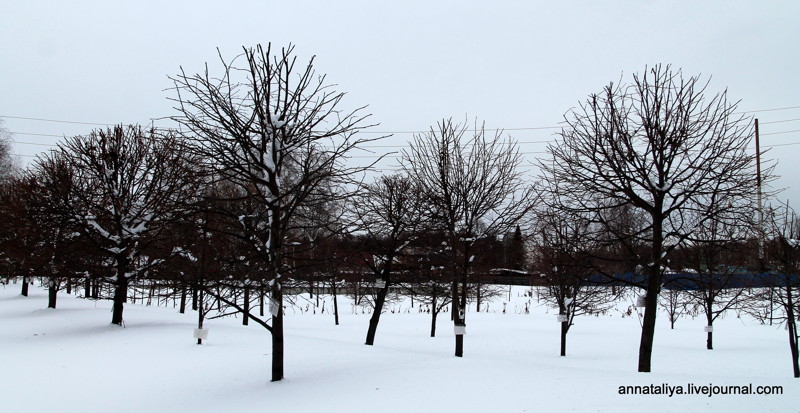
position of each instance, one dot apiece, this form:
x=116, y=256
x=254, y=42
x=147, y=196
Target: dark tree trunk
x=261, y=301
x=182, y=308
x=376, y=315
x=648, y=326
x=710, y=334
x=200, y=314
x=461, y=296
x=120, y=296
x=277, y=335
x=564, y=329
x=52, y=293
x=653, y=289
x=791, y=324
x=95, y=289
x=69, y=286
x=246, y=307
x=24, y=286
x=194, y=298
x=335, y=302
x=459, y=345
x=458, y=320
x=478, y=289
x=87, y=288
x=434, y=314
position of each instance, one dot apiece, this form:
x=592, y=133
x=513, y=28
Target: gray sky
x=512, y=64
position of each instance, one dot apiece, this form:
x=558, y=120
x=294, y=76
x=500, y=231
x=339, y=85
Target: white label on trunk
x=201, y=333
x=274, y=308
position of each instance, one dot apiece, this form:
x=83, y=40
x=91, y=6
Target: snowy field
x=72, y=359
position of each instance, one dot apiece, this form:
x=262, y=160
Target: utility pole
x=759, y=196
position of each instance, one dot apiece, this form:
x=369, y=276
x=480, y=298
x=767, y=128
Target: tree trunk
x=52, y=293
x=335, y=302
x=87, y=288
x=791, y=324
x=457, y=320
x=200, y=314
x=653, y=289
x=478, y=288
x=120, y=296
x=277, y=334
x=261, y=301
x=24, y=285
x=182, y=308
x=376, y=315
x=794, y=348
x=434, y=314
x=246, y=307
x=710, y=334
x=194, y=298
x=564, y=329
x=648, y=326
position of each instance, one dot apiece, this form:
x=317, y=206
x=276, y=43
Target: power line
x=366, y=147
x=781, y=144
x=387, y=132
x=56, y=120
x=780, y=121
x=769, y=110
x=38, y=134
x=780, y=133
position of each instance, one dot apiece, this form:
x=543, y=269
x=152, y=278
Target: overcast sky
x=516, y=65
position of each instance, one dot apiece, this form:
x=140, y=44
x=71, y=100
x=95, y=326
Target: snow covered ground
x=72, y=359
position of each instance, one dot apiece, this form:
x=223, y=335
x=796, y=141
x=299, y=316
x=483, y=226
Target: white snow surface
x=70, y=359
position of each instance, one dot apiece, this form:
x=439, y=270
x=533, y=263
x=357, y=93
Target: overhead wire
x=523, y=142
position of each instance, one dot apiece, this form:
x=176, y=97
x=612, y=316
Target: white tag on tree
x=709, y=329
x=274, y=308
x=562, y=318
x=641, y=301
x=460, y=330
x=379, y=284
x=201, y=333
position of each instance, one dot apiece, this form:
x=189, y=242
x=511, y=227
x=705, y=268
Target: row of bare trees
x=243, y=201
x=258, y=193
x=656, y=177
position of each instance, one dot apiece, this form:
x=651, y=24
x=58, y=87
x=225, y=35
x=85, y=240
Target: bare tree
x=564, y=254
x=9, y=164
x=781, y=288
x=676, y=303
x=19, y=233
x=49, y=202
x=472, y=185
x=660, y=146
x=710, y=267
x=388, y=214
x=427, y=279
x=276, y=131
x=127, y=184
